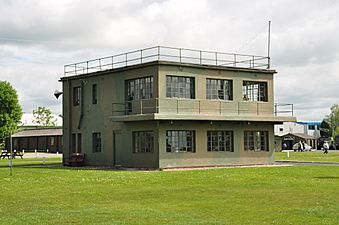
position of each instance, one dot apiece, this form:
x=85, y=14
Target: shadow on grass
x=62, y=167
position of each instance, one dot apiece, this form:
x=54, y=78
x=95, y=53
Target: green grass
x=263, y=195
x=308, y=156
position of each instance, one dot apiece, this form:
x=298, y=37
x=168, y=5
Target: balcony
x=194, y=109
x=169, y=54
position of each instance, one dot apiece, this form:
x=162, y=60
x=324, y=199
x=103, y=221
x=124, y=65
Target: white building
x=290, y=133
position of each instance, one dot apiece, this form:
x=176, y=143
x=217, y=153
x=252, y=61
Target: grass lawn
x=262, y=195
x=308, y=156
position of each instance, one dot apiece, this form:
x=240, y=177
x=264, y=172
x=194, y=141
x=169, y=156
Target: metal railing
x=200, y=107
x=170, y=54
x=283, y=109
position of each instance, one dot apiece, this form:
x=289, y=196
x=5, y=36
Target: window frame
x=74, y=143
x=139, y=88
x=256, y=141
x=224, y=86
x=179, y=139
x=94, y=94
x=255, y=91
x=311, y=127
x=224, y=141
x=175, y=88
x=142, y=140
x=96, y=142
x=76, y=95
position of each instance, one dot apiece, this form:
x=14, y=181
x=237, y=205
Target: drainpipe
x=81, y=103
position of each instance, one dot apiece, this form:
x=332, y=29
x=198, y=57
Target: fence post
x=141, y=56
x=216, y=58
x=158, y=53
x=275, y=109
x=220, y=107
x=177, y=106
x=200, y=57
x=199, y=106
x=156, y=105
x=180, y=55
x=141, y=106
x=36, y=153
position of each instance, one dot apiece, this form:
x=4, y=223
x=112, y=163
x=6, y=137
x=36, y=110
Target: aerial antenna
x=269, y=45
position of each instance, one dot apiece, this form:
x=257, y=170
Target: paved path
x=300, y=163
x=41, y=155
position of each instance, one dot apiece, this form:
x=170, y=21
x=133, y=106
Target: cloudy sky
x=38, y=37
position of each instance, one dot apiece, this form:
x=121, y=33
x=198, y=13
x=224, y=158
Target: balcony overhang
x=200, y=117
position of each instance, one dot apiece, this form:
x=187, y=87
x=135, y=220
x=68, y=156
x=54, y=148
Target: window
x=219, y=141
x=96, y=140
x=143, y=141
x=94, y=94
x=180, y=141
x=52, y=140
x=76, y=96
x=74, y=144
x=281, y=129
x=254, y=91
x=219, y=89
x=140, y=88
x=79, y=142
x=256, y=141
x=311, y=127
x=179, y=87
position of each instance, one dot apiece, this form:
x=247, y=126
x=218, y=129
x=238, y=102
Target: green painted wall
x=116, y=135
x=204, y=158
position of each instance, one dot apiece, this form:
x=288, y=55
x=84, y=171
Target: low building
x=290, y=133
x=167, y=107
x=40, y=139
x=290, y=139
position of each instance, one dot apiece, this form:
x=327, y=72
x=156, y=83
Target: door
x=116, y=143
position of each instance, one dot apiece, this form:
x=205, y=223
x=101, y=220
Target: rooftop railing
x=170, y=54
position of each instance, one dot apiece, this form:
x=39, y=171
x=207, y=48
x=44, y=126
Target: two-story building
x=167, y=107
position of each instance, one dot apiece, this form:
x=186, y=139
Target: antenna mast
x=269, y=45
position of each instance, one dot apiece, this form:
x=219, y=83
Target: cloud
x=39, y=37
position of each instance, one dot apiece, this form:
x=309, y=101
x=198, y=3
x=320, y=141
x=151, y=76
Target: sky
x=39, y=37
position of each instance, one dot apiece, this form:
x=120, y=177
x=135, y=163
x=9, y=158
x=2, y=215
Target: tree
x=333, y=120
x=10, y=109
x=44, y=117
x=325, y=129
